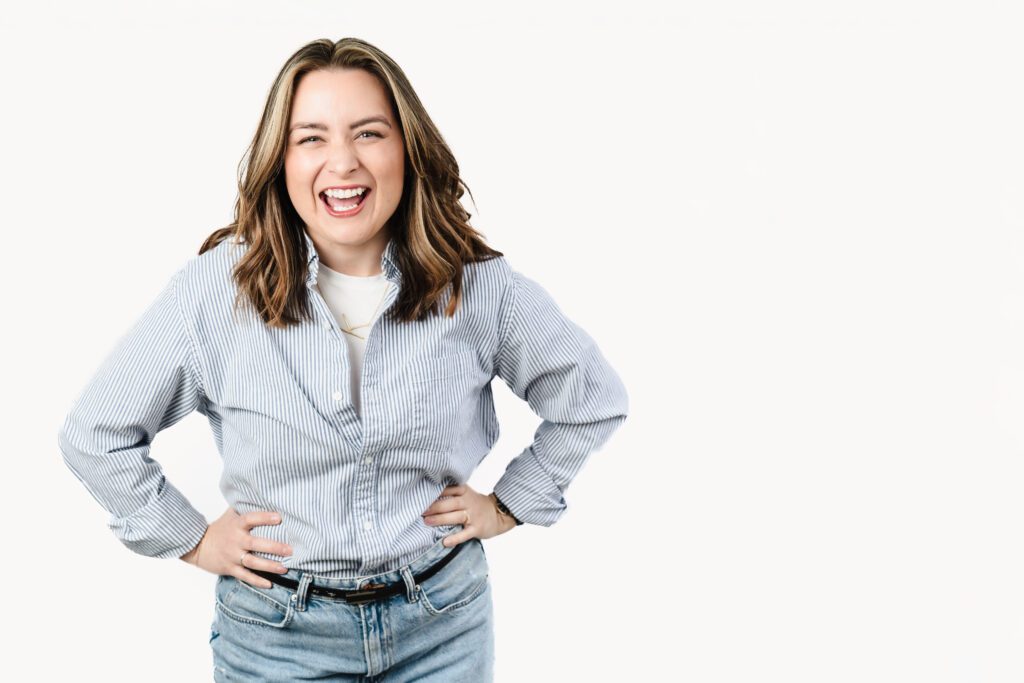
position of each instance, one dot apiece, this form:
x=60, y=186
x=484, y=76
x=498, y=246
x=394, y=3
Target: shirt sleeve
x=555, y=366
x=147, y=383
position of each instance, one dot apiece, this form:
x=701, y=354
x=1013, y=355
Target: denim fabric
x=438, y=630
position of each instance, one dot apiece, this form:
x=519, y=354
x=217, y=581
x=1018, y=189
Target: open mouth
x=344, y=206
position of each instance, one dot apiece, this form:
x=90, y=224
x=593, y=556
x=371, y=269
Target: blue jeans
x=441, y=629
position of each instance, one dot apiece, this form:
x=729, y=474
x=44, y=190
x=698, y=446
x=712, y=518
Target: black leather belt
x=369, y=592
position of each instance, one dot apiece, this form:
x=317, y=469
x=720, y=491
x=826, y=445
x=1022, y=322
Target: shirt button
x=337, y=395
x=327, y=325
x=368, y=460
x=367, y=524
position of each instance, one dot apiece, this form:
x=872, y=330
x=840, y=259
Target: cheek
x=390, y=163
x=298, y=180
x=392, y=171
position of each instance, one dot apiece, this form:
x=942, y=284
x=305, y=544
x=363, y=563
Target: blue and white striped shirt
x=350, y=489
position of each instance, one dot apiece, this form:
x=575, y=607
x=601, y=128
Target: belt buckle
x=368, y=593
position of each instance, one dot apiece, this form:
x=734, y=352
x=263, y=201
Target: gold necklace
x=350, y=328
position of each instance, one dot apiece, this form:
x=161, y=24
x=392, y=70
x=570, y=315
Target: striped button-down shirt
x=351, y=489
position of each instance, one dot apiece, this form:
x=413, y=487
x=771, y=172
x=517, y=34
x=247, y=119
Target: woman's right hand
x=221, y=547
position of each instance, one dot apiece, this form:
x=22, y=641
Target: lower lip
x=346, y=214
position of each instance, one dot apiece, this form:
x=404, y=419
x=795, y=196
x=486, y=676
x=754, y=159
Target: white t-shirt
x=355, y=303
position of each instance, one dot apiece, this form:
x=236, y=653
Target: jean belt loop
x=302, y=591
x=410, y=584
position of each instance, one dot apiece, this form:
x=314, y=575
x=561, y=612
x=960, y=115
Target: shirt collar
x=388, y=260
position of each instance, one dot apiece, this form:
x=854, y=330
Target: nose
x=342, y=159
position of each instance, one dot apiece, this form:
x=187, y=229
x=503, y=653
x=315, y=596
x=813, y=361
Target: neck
x=357, y=260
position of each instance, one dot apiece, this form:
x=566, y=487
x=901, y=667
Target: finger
x=445, y=505
x=454, y=539
x=269, y=546
x=259, y=518
x=454, y=490
x=456, y=517
x=257, y=562
x=243, y=574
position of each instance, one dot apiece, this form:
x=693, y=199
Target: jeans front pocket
x=459, y=584
x=237, y=600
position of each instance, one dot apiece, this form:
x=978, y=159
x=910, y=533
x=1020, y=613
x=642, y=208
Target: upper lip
x=342, y=187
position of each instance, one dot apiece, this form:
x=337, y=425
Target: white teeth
x=335, y=194
x=345, y=194
x=338, y=206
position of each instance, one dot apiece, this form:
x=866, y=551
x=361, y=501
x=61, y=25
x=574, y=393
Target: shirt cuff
x=166, y=527
x=527, y=490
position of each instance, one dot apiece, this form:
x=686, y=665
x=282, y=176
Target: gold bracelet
x=502, y=509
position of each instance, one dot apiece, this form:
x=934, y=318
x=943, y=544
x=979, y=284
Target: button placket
x=365, y=503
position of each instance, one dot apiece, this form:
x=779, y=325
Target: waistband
x=433, y=554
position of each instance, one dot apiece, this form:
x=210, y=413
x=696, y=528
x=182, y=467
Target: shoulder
x=205, y=280
x=504, y=287
x=509, y=284
x=489, y=279
x=210, y=270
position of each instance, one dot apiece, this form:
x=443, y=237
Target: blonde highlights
x=430, y=227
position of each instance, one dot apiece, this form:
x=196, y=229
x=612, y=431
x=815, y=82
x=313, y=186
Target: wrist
x=192, y=556
x=503, y=512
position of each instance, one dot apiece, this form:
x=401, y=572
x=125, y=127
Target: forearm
x=534, y=483
x=554, y=365
x=149, y=382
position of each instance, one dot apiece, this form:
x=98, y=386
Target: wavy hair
x=430, y=227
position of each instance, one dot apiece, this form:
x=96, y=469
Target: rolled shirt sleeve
x=147, y=383
x=556, y=367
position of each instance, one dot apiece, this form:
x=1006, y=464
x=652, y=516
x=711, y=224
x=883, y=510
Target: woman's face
x=342, y=133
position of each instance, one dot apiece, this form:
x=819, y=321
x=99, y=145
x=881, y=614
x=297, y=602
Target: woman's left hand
x=476, y=513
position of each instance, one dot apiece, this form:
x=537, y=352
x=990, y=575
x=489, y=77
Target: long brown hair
x=430, y=227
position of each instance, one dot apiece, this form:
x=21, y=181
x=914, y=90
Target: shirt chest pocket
x=442, y=396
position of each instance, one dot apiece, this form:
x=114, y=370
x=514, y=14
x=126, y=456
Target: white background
x=794, y=228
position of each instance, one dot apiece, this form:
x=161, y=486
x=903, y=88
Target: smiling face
x=343, y=134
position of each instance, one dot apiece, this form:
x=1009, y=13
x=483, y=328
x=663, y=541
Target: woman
x=341, y=336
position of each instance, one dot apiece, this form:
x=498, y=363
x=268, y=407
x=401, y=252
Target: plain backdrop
x=794, y=228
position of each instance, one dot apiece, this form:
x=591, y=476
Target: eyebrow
x=360, y=122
